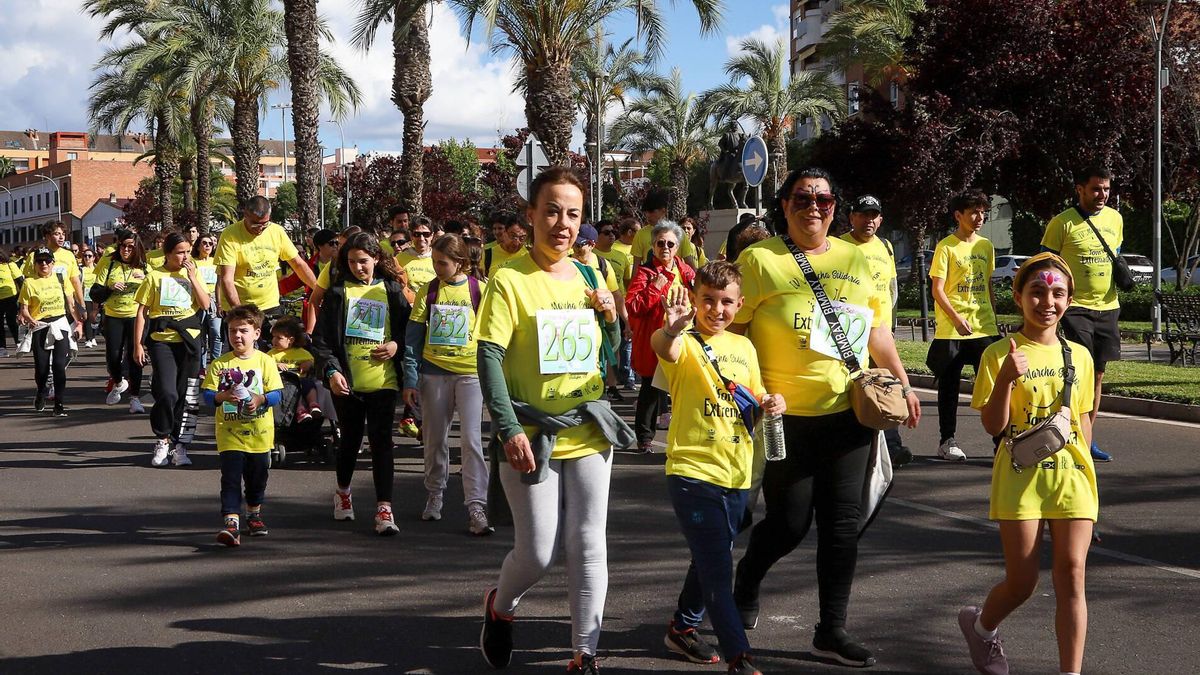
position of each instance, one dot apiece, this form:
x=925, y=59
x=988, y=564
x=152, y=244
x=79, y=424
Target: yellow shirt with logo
x=167, y=294
x=122, y=304
x=780, y=307
x=367, y=327
x=206, y=269
x=291, y=359
x=9, y=273
x=642, y=244
x=89, y=278
x=244, y=432
x=609, y=276
x=419, y=269
x=450, y=332
x=707, y=439
x=254, y=261
x=64, y=264
x=500, y=258
x=44, y=296
x=1069, y=234
x=1064, y=484
x=966, y=268
x=552, y=342
x=883, y=270
x=621, y=265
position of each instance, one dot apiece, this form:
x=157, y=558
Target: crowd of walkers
x=546, y=320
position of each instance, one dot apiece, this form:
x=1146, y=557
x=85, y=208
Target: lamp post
x=346, y=218
x=322, y=218
x=599, y=198
x=12, y=215
x=283, y=108
x=58, y=194
x=1160, y=82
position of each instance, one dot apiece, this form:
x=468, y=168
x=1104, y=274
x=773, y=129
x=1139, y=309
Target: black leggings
x=45, y=361
x=822, y=476
x=377, y=410
x=8, y=317
x=118, y=351
x=172, y=365
x=650, y=403
x=965, y=353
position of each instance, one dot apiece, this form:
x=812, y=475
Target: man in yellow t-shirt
x=54, y=234
x=654, y=209
x=511, y=236
x=1092, y=318
x=627, y=229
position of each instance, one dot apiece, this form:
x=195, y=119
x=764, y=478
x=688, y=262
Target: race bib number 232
x=567, y=341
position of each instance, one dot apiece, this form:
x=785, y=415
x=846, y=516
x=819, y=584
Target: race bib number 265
x=566, y=341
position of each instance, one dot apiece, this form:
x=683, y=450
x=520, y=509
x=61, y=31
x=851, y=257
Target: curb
x=1125, y=405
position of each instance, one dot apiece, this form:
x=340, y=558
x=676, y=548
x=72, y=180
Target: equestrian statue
x=727, y=168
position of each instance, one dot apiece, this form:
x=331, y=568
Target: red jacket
x=643, y=302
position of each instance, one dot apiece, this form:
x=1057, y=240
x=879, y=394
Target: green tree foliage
x=464, y=162
x=285, y=202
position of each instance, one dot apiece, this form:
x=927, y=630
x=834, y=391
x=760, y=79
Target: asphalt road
x=110, y=566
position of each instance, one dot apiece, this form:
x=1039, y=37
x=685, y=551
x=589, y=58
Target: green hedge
x=1135, y=304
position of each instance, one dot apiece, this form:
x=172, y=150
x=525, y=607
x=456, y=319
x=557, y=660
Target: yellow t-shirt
x=44, y=296
x=707, y=439
x=500, y=258
x=254, y=261
x=155, y=259
x=621, y=264
x=552, y=342
x=1064, y=484
x=89, y=278
x=450, y=334
x=292, y=358
x=966, y=267
x=420, y=270
x=64, y=264
x=367, y=327
x=235, y=431
x=642, y=244
x=122, y=304
x=9, y=273
x=167, y=294
x=1069, y=235
x=780, y=308
x=206, y=269
x=609, y=276
x=621, y=246
x=883, y=270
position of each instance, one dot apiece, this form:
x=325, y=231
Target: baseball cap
x=587, y=235
x=866, y=203
x=43, y=252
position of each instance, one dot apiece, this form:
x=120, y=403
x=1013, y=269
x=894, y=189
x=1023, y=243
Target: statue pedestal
x=720, y=222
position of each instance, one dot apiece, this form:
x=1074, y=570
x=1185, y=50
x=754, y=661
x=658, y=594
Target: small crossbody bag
x=1051, y=434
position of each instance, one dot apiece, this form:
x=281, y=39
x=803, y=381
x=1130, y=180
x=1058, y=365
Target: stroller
x=312, y=436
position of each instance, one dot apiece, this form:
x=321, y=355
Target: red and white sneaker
x=385, y=524
x=343, y=506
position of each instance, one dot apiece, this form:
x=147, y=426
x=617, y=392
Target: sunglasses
x=208, y=243
x=825, y=201
x=423, y=235
x=88, y=255
x=607, y=233
x=663, y=243
x=399, y=242
x=43, y=262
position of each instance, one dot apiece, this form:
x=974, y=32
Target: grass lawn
x=1124, y=378
x=1139, y=326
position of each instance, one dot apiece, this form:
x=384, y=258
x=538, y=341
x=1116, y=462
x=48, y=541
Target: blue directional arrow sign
x=754, y=161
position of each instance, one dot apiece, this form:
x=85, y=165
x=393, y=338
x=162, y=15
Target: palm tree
x=871, y=33
x=667, y=120
x=547, y=35
x=772, y=103
x=7, y=166
x=412, y=83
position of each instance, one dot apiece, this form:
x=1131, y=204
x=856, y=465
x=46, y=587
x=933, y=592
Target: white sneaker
x=161, y=449
x=433, y=507
x=121, y=386
x=385, y=524
x=477, y=520
x=950, y=451
x=179, y=456
x=136, y=407
x=343, y=506
x=113, y=397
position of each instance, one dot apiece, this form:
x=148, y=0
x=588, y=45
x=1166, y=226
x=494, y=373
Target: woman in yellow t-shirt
x=206, y=268
x=439, y=357
x=827, y=447
x=87, y=269
x=1020, y=382
x=11, y=279
x=47, y=300
x=539, y=343
x=358, y=335
x=124, y=273
x=170, y=307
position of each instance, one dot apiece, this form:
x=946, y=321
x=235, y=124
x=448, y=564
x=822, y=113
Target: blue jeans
x=212, y=337
x=710, y=516
x=625, y=369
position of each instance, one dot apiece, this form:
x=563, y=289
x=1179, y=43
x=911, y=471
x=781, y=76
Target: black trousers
x=650, y=403
x=8, y=318
x=376, y=410
x=822, y=476
x=243, y=468
x=172, y=365
x=118, y=352
x=961, y=353
x=46, y=361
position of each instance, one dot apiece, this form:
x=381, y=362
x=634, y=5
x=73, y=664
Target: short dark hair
x=288, y=326
x=422, y=220
x=555, y=175
x=971, y=198
x=655, y=200
x=395, y=211
x=258, y=205
x=627, y=225
x=322, y=237
x=719, y=274
x=1091, y=171
x=452, y=226
x=248, y=312
x=504, y=218
x=776, y=214
x=50, y=226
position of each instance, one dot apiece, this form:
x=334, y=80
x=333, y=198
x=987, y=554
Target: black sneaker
x=588, y=665
x=59, y=411
x=743, y=665
x=39, y=402
x=495, y=640
x=746, y=599
x=230, y=534
x=614, y=395
x=255, y=524
x=901, y=457
x=690, y=645
x=837, y=645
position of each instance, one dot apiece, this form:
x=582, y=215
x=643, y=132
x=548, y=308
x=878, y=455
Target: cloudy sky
x=48, y=48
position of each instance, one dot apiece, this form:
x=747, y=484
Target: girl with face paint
x=1020, y=383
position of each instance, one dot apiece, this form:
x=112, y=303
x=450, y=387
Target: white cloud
x=768, y=33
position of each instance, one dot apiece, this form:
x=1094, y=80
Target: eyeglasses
x=825, y=201
x=664, y=243
x=208, y=243
x=423, y=235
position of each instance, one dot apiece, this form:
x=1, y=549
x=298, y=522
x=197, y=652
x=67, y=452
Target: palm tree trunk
x=246, y=151
x=550, y=109
x=187, y=176
x=300, y=24
x=412, y=85
x=166, y=168
x=777, y=155
x=202, y=121
x=679, y=190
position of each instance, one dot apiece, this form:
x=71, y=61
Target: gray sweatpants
x=571, y=506
x=441, y=395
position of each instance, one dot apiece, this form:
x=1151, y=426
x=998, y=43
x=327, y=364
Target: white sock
x=983, y=632
x=340, y=491
x=1066, y=673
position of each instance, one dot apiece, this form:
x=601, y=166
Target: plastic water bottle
x=773, y=438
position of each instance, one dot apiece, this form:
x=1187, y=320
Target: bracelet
x=905, y=391
x=673, y=336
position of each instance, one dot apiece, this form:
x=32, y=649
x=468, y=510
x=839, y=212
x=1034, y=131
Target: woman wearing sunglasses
x=46, y=303
x=658, y=273
x=206, y=268
x=87, y=268
x=827, y=448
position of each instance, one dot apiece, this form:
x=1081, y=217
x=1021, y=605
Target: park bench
x=1180, y=326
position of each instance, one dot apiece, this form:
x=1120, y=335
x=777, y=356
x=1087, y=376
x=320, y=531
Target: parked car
x=1141, y=267
x=1170, y=274
x=1006, y=268
x=904, y=266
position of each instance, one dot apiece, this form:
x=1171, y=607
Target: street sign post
x=754, y=167
x=532, y=159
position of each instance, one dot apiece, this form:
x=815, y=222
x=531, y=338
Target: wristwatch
x=905, y=391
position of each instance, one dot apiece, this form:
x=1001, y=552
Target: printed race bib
x=208, y=274
x=566, y=341
x=365, y=319
x=61, y=269
x=174, y=293
x=856, y=322
x=449, y=326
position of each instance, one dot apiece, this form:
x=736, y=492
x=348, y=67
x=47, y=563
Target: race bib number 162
x=566, y=341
